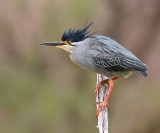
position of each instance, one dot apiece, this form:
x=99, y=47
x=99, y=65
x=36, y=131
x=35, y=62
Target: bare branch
x=103, y=115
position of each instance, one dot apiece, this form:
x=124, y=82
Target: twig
x=103, y=115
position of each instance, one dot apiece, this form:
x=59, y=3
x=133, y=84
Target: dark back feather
x=111, y=56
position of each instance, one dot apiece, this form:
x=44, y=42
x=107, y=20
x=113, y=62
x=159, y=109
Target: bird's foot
x=98, y=110
x=110, y=85
x=105, y=82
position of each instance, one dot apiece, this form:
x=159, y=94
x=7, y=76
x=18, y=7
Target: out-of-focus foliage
x=42, y=91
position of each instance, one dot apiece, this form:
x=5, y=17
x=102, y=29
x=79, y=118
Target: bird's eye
x=68, y=42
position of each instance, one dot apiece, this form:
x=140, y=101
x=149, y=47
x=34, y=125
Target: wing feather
x=110, y=55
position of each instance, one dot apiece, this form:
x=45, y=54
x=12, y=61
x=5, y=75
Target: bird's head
x=71, y=37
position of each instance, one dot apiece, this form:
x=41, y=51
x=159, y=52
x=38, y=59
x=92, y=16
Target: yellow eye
x=66, y=42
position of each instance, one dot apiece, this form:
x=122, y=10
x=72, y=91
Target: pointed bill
x=60, y=43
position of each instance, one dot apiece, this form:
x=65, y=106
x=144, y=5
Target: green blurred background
x=42, y=91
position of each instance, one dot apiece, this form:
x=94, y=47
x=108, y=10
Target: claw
x=110, y=84
x=98, y=110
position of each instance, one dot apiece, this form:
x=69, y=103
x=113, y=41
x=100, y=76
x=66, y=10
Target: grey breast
x=81, y=55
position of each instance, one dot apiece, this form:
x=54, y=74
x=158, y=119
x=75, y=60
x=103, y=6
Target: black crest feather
x=76, y=35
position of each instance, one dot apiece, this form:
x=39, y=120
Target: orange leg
x=107, y=97
x=98, y=85
x=106, y=81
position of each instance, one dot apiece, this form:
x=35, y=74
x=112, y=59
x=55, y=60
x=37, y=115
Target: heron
x=100, y=54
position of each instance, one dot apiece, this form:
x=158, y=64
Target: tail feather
x=142, y=73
